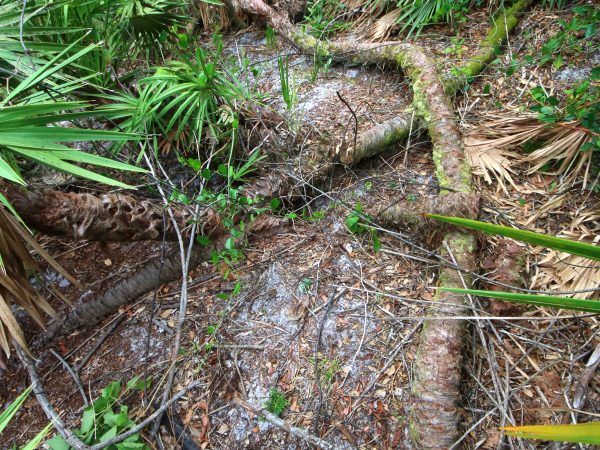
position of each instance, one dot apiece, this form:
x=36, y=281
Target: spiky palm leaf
x=30, y=129
x=145, y=20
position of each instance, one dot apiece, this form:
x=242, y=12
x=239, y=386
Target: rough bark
x=85, y=313
x=410, y=216
x=505, y=264
x=105, y=217
x=436, y=412
x=375, y=139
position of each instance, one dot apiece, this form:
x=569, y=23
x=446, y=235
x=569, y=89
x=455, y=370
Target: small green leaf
x=376, y=242
x=206, y=174
x=112, y=432
x=58, y=443
x=87, y=420
x=203, y=240
x=275, y=204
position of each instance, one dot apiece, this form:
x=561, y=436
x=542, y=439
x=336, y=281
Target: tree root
x=435, y=414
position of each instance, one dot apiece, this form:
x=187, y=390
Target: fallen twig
x=42, y=399
x=97, y=345
x=294, y=431
x=74, y=375
x=330, y=303
x=60, y=426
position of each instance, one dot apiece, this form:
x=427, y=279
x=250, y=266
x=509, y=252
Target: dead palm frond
x=488, y=160
x=563, y=272
x=559, y=146
x=382, y=28
x=15, y=289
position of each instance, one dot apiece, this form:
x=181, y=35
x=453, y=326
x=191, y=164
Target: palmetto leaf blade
x=583, y=433
x=574, y=304
x=566, y=245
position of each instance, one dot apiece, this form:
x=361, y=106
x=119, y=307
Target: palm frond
x=558, y=152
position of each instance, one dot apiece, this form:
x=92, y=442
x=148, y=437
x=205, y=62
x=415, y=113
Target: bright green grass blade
x=8, y=173
x=37, y=31
x=51, y=67
x=35, y=442
x=564, y=245
x=26, y=111
x=15, y=46
x=575, y=304
x=12, y=409
x=583, y=433
x=62, y=134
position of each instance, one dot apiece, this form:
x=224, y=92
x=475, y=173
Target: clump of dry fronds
x=563, y=272
x=491, y=147
x=15, y=289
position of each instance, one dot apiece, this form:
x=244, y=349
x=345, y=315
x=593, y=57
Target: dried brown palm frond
x=563, y=144
x=564, y=272
x=382, y=28
x=555, y=203
x=559, y=143
x=15, y=289
x=487, y=160
x=213, y=16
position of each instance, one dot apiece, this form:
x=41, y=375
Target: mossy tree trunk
x=435, y=410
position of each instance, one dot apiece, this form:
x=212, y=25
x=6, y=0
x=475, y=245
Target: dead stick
x=42, y=399
x=98, y=344
x=74, y=375
x=317, y=345
x=294, y=431
x=355, y=120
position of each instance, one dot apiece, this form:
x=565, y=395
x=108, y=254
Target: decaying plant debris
x=358, y=342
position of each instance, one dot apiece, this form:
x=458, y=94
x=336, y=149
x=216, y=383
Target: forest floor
x=289, y=329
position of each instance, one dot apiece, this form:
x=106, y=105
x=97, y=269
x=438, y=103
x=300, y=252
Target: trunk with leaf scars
x=104, y=217
x=149, y=277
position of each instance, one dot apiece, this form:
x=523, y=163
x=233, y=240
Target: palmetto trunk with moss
x=435, y=413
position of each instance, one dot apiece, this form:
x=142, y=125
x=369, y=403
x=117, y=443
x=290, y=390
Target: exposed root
x=435, y=417
x=410, y=216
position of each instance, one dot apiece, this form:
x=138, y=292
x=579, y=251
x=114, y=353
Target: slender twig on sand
x=294, y=431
